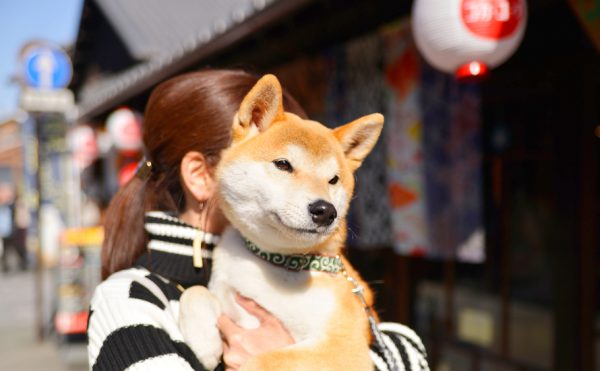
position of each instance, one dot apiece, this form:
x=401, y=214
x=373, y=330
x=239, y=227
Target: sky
x=22, y=20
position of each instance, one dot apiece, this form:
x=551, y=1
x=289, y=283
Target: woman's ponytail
x=124, y=235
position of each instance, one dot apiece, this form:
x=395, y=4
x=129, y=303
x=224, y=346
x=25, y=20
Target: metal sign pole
x=31, y=197
x=39, y=269
x=47, y=70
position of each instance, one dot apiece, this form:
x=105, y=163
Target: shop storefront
x=476, y=217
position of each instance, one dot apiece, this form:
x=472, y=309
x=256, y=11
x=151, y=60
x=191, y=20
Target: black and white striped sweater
x=134, y=313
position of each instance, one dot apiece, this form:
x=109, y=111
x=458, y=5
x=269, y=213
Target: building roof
x=169, y=36
x=156, y=28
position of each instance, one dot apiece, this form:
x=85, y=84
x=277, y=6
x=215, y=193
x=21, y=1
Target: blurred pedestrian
x=11, y=235
x=21, y=219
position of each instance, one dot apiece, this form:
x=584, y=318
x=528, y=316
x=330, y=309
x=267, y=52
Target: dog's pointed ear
x=359, y=137
x=260, y=107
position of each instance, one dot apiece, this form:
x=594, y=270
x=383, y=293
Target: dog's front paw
x=209, y=361
x=198, y=314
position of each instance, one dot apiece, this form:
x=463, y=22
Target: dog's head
x=286, y=183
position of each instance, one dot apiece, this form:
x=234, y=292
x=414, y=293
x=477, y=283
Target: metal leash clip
x=358, y=290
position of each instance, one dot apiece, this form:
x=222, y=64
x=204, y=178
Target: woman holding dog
x=159, y=232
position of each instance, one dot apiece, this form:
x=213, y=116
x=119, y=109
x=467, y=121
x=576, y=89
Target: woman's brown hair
x=190, y=112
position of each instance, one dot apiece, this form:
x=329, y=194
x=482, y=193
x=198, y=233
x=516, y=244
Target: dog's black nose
x=323, y=213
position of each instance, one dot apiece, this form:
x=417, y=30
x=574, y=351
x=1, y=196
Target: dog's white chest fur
x=292, y=297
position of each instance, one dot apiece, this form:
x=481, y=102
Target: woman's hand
x=240, y=344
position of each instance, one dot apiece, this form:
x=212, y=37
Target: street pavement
x=20, y=349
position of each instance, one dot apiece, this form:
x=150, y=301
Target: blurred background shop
x=476, y=218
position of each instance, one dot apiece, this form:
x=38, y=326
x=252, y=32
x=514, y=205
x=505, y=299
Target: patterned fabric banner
x=452, y=148
x=434, y=163
x=588, y=12
x=405, y=171
x=365, y=94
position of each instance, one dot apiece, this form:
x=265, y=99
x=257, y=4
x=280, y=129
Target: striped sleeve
x=404, y=346
x=132, y=327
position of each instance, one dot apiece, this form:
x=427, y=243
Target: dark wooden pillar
x=590, y=209
x=567, y=249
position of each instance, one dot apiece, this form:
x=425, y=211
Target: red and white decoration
x=126, y=173
x=468, y=37
x=125, y=129
x=83, y=144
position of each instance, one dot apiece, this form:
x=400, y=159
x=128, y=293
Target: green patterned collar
x=297, y=263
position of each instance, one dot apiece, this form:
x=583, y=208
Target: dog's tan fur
x=263, y=107
x=263, y=132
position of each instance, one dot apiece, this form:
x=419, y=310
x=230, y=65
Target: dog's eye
x=283, y=165
x=334, y=180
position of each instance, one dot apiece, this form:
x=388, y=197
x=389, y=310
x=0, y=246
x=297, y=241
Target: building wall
x=11, y=148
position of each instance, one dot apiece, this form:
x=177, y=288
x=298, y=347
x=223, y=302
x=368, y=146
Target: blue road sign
x=47, y=68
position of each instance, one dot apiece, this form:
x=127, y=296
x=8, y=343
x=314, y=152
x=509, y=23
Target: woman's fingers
x=232, y=339
x=240, y=344
x=228, y=328
x=253, y=308
x=232, y=360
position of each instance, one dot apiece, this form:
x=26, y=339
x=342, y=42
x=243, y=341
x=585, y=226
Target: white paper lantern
x=452, y=34
x=125, y=129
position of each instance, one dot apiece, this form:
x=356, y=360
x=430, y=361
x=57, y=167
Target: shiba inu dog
x=285, y=185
